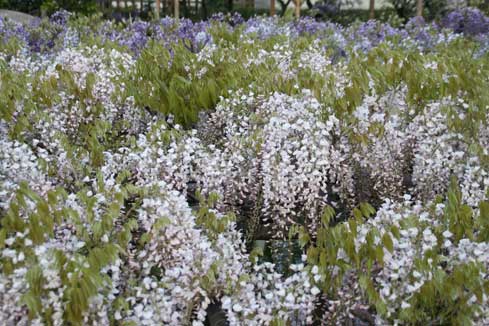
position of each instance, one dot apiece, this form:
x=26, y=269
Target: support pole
x=176, y=6
x=272, y=8
x=297, y=8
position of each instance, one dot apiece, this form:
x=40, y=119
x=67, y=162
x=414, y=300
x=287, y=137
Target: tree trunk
x=272, y=8
x=157, y=9
x=283, y=6
x=185, y=8
x=204, y=9
x=372, y=9
x=419, y=8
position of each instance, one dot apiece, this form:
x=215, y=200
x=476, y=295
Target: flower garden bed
x=280, y=172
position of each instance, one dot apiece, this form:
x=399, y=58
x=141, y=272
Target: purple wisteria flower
x=370, y=34
x=421, y=32
x=193, y=35
x=309, y=26
x=469, y=21
x=135, y=36
x=218, y=17
x=233, y=19
x=168, y=31
x=49, y=35
x=265, y=27
x=10, y=29
x=236, y=19
x=60, y=17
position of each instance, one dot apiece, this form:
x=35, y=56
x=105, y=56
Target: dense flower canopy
x=144, y=164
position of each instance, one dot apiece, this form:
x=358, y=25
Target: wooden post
x=419, y=8
x=272, y=8
x=157, y=9
x=297, y=8
x=176, y=7
x=372, y=9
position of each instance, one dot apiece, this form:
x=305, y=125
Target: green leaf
x=304, y=238
x=162, y=222
x=3, y=236
x=387, y=241
x=367, y=210
x=328, y=215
